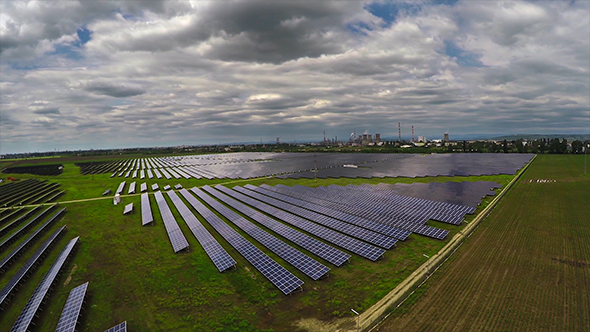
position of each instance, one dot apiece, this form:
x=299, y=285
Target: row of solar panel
x=28, y=192
x=274, y=272
x=383, y=204
x=368, y=209
x=296, y=165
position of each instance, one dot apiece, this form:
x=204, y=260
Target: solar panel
x=166, y=174
x=275, y=273
x=302, y=262
x=155, y=187
x=178, y=186
x=352, y=230
x=143, y=187
x=69, y=315
x=28, y=267
x=21, y=231
x=319, y=248
x=31, y=239
x=131, y=188
x=121, y=188
x=214, y=250
x=167, y=187
x=128, y=208
x=344, y=241
x=355, y=220
x=177, y=239
x=146, y=210
x=25, y=318
x=122, y=327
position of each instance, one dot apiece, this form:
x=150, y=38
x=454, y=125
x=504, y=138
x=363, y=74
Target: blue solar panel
x=344, y=241
x=146, y=210
x=121, y=327
x=24, y=320
x=28, y=267
x=319, y=248
x=121, y=188
x=352, y=230
x=69, y=315
x=275, y=273
x=177, y=239
x=31, y=239
x=302, y=262
x=362, y=222
x=214, y=250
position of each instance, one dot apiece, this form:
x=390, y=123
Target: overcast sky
x=104, y=74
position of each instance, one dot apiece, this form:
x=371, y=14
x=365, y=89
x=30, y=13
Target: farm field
x=526, y=268
x=135, y=276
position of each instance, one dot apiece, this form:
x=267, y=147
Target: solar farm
x=231, y=242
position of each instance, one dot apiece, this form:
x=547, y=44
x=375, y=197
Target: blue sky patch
x=84, y=35
x=464, y=58
x=389, y=11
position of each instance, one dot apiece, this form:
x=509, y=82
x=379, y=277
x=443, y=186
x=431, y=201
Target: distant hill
x=568, y=137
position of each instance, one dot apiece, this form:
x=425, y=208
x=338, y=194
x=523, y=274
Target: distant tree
x=554, y=146
x=577, y=147
x=519, y=146
x=464, y=146
x=505, y=146
x=449, y=147
x=542, y=146
x=563, y=146
x=493, y=147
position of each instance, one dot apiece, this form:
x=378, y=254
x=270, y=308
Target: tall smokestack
x=412, y=133
x=399, y=132
x=324, y=136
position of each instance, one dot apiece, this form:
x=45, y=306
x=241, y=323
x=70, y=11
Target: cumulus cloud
x=170, y=72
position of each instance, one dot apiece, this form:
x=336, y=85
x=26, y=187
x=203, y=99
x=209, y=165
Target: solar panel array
x=352, y=230
x=349, y=218
x=122, y=327
x=29, y=240
x=146, y=210
x=275, y=273
x=214, y=250
x=448, y=202
x=312, y=268
x=245, y=165
x=177, y=239
x=18, y=220
x=12, y=285
x=24, y=320
x=69, y=315
x=21, y=231
x=344, y=241
x=319, y=248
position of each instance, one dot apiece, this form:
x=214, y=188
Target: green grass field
x=526, y=268
x=135, y=276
